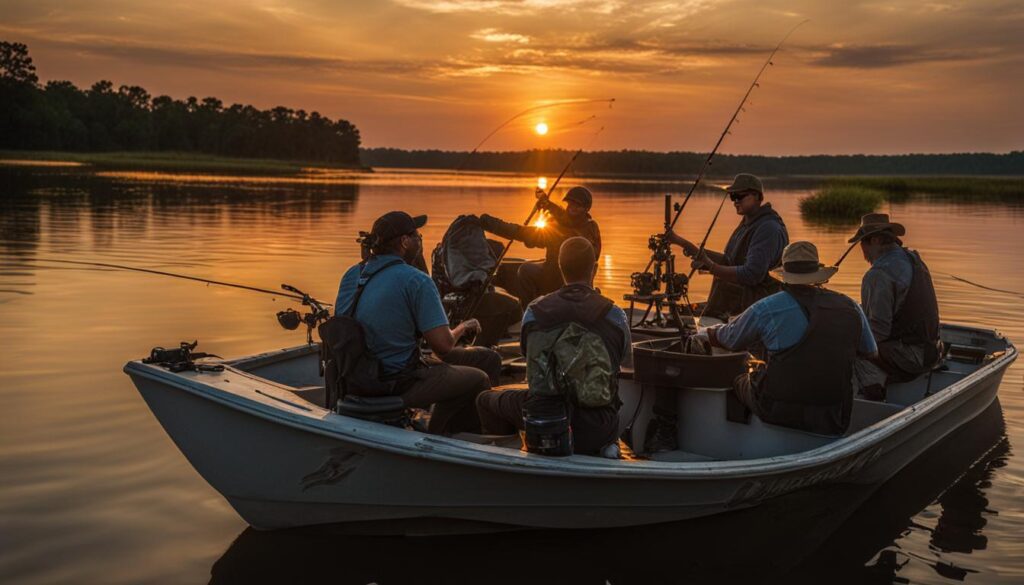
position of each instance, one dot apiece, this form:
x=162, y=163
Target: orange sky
x=871, y=77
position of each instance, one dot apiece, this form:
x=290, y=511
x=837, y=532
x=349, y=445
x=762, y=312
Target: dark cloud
x=880, y=56
x=231, y=60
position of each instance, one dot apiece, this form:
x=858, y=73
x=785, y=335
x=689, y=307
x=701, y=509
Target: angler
x=539, y=278
x=899, y=299
x=740, y=273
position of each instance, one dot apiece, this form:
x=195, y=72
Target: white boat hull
x=282, y=462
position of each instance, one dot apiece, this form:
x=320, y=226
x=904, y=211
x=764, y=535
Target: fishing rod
x=529, y=110
x=529, y=218
x=721, y=138
x=276, y=293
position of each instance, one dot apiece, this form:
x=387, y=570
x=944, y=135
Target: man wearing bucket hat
x=899, y=299
x=741, y=272
x=396, y=304
x=812, y=336
x=540, y=278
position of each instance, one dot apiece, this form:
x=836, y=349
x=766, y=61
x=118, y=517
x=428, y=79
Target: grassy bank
x=170, y=161
x=841, y=202
x=959, y=188
x=842, y=199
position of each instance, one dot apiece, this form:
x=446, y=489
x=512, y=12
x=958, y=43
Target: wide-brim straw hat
x=800, y=265
x=873, y=223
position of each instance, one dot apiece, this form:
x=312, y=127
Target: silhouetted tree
x=64, y=117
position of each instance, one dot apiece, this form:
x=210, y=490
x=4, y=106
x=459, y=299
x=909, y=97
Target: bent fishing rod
x=295, y=293
x=529, y=218
x=721, y=138
x=529, y=110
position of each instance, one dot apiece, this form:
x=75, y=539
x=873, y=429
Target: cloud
x=891, y=55
x=511, y=7
x=493, y=35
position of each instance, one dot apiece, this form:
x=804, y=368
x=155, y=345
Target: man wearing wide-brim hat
x=813, y=337
x=898, y=297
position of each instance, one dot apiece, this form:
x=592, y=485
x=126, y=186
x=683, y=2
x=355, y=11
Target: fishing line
x=529, y=110
x=176, y=275
x=998, y=290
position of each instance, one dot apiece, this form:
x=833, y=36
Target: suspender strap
x=363, y=280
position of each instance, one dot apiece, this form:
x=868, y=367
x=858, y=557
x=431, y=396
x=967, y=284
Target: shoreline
x=166, y=161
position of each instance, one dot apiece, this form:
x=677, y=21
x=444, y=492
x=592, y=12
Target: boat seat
x=385, y=409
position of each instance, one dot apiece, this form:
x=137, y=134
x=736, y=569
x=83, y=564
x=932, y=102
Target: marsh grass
x=841, y=203
x=949, y=188
x=171, y=161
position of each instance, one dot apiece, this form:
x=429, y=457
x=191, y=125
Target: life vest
x=809, y=386
x=731, y=298
x=572, y=351
x=917, y=321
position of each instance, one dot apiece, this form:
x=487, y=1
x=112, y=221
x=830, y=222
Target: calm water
x=93, y=491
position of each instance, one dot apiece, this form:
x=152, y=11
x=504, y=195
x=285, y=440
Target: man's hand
x=467, y=327
x=702, y=262
x=688, y=248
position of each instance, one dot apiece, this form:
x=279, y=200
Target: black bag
x=348, y=366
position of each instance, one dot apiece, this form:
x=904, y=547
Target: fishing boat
x=256, y=429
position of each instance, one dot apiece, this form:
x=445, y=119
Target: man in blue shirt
x=501, y=411
x=813, y=337
x=400, y=304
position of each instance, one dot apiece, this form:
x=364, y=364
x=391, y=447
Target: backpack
x=572, y=362
x=348, y=366
x=462, y=259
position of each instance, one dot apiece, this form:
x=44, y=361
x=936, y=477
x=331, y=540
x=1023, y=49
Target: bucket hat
x=800, y=265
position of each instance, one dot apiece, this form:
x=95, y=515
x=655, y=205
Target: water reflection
x=769, y=543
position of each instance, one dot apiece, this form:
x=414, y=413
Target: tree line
x=686, y=164
x=61, y=116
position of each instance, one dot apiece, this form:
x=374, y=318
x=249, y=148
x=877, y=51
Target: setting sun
x=541, y=128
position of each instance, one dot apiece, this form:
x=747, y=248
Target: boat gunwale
x=411, y=443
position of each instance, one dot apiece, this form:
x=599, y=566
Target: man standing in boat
x=813, y=337
x=501, y=411
x=741, y=277
x=741, y=272
x=899, y=299
x=539, y=278
x=398, y=304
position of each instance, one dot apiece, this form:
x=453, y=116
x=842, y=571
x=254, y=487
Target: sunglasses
x=741, y=195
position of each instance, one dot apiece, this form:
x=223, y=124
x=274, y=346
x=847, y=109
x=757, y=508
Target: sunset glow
x=541, y=128
x=859, y=77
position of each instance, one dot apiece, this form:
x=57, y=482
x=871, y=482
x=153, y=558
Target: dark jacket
x=559, y=229
x=755, y=247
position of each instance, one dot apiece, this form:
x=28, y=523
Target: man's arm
x=690, y=249
x=442, y=340
x=741, y=332
x=766, y=244
x=878, y=297
x=533, y=237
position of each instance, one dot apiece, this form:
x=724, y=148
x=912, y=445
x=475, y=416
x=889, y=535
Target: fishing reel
x=290, y=319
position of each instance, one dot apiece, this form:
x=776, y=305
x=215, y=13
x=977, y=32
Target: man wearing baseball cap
x=397, y=305
x=540, y=278
x=741, y=272
x=898, y=297
x=812, y=336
